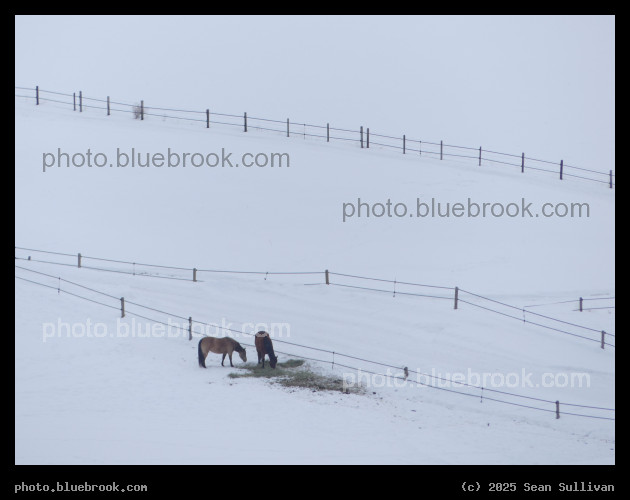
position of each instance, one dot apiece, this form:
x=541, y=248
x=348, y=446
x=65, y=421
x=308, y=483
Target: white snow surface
x=143, y=399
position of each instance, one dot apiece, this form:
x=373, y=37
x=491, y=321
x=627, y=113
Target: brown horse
x=223, y=345
x=264, y=346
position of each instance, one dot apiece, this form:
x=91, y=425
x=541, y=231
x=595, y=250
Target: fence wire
x=193, y=274
x=334, y=353
x=360, y=135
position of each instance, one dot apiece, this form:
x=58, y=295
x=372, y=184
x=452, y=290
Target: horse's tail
x=202, y=358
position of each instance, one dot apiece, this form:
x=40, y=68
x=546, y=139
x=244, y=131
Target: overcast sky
x=543, y=85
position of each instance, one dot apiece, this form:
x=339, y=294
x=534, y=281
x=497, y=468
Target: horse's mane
x=268, y=346
x=238, y=347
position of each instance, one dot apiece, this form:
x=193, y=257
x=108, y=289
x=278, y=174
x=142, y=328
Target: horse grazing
x=224, y=345
x=264, y=346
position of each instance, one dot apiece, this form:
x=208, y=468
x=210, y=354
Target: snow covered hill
x=127, y=398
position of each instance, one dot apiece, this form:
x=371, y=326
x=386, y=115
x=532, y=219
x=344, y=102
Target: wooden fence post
x=361, y=135
x=557, y=409
x=80, y=101
x=122, y=307
x=441, y=146
x=190, y=328
x=522, y=162
x=611, y=179
x=456, y=296
x=580, y=304
x=327, y=278
x=404, y=143
x=74, y=101
x=207, y=118
x=245, y=121
x=420, y=147
x=195, y=274
x=561, y=164
x=603, y=335
x=142, y=110
x=287, y=127
x=37, y=95
x=79, y=260
x=108, y=111
x=368, y=138
x=480, y=156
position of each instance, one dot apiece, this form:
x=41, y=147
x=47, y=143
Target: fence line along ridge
x=360, y=135
x=78, y=260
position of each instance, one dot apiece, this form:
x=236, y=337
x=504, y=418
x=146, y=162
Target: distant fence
x=582, y=304
x=464, y=389
x=361, y=135
x=455, y=295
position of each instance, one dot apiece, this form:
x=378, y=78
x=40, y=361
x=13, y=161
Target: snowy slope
x=145, y=400
x=292, y=218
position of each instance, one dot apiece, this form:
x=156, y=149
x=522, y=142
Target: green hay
x=291, y=363
x=292, y=373
x=255, y=370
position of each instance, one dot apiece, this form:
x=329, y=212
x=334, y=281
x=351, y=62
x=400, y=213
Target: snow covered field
x=82, y=398
x=92, y=387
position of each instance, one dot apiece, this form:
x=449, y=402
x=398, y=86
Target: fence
x=361, y=136
x=580, y=303
x=455, y=294
x=473, y=390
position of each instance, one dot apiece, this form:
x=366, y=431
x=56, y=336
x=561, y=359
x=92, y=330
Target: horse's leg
x=223, y=358
x=263, y=359
x=230, y=354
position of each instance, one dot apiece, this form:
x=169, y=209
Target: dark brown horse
x=264, y=346
x=223, y=345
